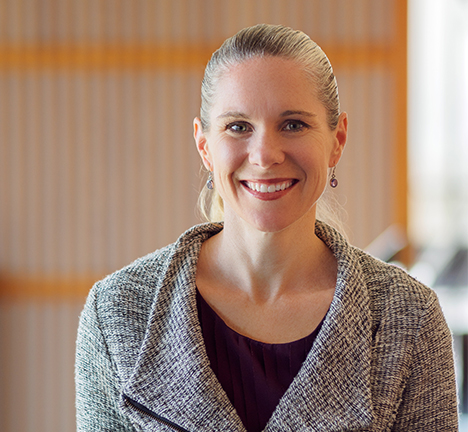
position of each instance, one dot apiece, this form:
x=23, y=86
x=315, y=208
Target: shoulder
x=120, y=307
x=135, y=283
x=139, y=282
x=402, y=308
x=114, y=320
x=389, y=288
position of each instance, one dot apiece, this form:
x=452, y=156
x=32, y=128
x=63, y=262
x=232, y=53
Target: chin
x=272, y=220
x=275, y=224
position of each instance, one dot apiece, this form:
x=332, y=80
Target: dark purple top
x=254, y=375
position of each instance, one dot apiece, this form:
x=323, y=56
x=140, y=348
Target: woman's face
x=269, y=145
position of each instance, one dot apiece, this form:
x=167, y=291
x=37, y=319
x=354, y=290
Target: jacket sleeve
x=96, y=379
x=429, y=400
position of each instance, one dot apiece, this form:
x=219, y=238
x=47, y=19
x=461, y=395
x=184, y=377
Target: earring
x=210, y=182
x=333, y=180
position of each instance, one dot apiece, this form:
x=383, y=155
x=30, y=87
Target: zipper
x=142, y=409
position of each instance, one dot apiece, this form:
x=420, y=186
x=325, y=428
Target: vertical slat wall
x=98, y=167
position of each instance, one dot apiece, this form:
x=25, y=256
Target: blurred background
x=98, y=164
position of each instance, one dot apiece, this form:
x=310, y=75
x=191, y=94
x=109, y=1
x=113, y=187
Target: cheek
x=313, y=158
x=227, y=157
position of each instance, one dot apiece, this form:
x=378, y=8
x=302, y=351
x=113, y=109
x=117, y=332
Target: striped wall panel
x=98, y=164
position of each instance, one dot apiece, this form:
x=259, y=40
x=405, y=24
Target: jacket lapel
x=332, y=391
x=172, y=377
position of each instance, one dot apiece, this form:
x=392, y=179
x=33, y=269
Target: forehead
x=265, y=83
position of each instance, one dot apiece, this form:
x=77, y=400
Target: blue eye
x=238, y=127
x=295, y=126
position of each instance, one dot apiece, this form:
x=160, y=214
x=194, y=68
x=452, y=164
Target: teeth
x=269, y=188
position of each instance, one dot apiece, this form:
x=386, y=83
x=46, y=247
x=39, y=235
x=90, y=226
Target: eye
x=238, y=127
x=295, y=126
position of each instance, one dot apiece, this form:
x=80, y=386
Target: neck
x=265, y=265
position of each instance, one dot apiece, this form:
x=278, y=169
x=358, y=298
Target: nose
x=266, y=150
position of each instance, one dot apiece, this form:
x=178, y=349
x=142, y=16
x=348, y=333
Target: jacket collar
x=331, y=392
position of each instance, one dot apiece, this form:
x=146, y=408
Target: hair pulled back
x=274, y=41
x=267, y=40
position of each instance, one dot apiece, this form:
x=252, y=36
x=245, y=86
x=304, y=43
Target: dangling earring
x=333, y=180
x=210, y=182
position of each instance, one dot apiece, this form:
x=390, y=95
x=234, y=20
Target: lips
x=268, y=187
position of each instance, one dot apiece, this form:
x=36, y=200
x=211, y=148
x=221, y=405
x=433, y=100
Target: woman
x=271, y=320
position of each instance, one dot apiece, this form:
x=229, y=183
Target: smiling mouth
x=270, y=187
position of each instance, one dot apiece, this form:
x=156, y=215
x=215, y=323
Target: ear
x=340, y=137
x=202, y=144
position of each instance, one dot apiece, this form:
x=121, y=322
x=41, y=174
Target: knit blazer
x=382, y=360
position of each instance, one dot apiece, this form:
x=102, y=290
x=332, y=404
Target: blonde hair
x=265, y=40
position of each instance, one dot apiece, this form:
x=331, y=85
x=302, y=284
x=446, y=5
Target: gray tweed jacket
x=382, y=360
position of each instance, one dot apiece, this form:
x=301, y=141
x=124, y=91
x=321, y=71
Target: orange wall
x=98, y=167
x=98, y=164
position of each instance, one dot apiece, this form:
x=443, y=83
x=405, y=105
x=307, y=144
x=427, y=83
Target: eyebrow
x=236, y=114
x=287, y=113
x=298, y=112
